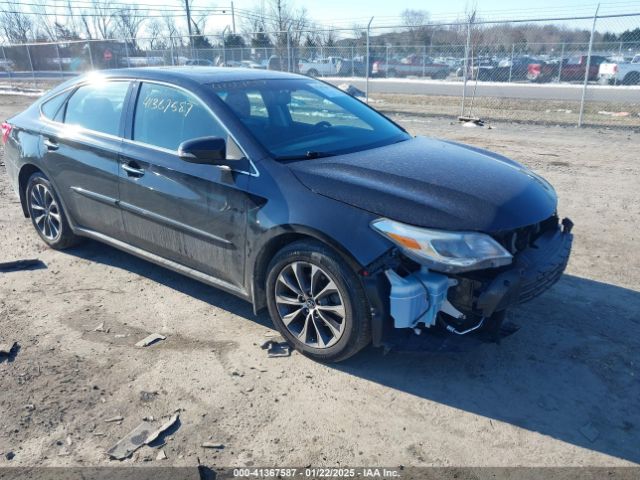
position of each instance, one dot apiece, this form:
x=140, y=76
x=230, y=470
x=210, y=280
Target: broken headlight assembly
x=444, y=251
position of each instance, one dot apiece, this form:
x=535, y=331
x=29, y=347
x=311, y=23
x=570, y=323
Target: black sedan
x=291, y=194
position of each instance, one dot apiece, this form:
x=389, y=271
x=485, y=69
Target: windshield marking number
x=168, y=105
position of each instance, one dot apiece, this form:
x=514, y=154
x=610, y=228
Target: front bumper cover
x=533, y=271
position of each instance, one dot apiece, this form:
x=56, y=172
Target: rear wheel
x=47, y=214
x=313, y=73
x=317, y=302
x=392, y=74
x=632, y=78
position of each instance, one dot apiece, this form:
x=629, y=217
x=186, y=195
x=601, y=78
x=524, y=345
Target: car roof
x=197, y=74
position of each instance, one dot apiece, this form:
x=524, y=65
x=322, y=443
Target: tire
x=440, y=75
x=392, y=74
x=47, y=214
x=337, y=316
x=632, y=78
x=313, y=73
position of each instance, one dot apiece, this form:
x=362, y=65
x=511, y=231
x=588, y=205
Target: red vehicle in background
x=569, y=69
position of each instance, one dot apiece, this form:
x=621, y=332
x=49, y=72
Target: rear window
x=97, y=107
x=51, y=108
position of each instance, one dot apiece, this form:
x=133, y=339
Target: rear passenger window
x=97, y=107
x=165, y=117
x=51, y=108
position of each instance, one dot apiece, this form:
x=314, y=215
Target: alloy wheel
x=45, y=212
x=310, y=304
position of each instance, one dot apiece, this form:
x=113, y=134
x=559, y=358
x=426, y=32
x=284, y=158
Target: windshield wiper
x=307, y=156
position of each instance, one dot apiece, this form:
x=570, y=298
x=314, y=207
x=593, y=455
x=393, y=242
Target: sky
x=348, y=12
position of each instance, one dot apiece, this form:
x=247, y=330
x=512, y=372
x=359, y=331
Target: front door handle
x=132, y=169
x=51, y=144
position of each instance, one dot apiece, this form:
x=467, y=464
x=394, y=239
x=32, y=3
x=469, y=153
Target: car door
x=189, y=213
x=82, y=142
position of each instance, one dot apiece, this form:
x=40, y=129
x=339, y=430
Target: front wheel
x=317, y=302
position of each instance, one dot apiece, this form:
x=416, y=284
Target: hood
x=433, y=183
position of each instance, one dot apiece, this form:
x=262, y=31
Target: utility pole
x=233, y=18
x=186, y=6
x=588, y=67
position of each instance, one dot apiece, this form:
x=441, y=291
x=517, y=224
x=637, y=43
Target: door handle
x=132, y=171
x=51, y=144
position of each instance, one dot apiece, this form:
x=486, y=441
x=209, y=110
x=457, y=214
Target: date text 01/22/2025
x=316, y=472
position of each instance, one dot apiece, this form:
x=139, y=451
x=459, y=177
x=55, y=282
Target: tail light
x=615, y=68
x=6, y=130
x=375, y=67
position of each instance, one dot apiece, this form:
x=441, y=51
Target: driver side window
x=166, y=116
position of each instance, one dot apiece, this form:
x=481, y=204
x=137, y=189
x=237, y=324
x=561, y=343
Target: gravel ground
x=563, y=390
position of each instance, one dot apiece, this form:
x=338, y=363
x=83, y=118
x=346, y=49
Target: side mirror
x=204, y=150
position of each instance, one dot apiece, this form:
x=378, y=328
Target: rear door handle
x=132, y=170
x=51, y=144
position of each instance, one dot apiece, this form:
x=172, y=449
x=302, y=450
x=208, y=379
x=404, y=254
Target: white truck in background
x=322, y=67
x=620, y=73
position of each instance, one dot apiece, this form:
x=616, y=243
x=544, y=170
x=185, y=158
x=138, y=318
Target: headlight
x=442, y=250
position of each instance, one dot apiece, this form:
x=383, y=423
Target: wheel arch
x=279, y=238
x=26, y=171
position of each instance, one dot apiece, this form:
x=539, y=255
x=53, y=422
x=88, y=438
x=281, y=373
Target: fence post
x=59, y=60
x=288, y=52
x=126, y=51
x=90, y=55
x=560, y=66
x=172, y=60
x=513, y=46
x=588, y=67
x=7, y=66
x=424, y=60
x=386, y=65
x=353, y=54
x=466, y=66
x=33, y=73
x=368, y=64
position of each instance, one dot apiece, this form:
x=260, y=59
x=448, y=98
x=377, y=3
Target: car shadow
x=107, y=255
x=570, y=372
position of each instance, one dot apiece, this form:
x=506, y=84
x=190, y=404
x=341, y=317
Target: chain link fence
x=566, y=71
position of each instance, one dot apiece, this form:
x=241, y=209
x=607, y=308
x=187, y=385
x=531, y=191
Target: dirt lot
x=563, y=390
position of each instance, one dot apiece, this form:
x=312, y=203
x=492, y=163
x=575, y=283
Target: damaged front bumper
x=403, y=295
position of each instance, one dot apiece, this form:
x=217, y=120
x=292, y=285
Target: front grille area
x=522, y=238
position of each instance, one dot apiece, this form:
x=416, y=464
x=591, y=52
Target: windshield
x=305, y=118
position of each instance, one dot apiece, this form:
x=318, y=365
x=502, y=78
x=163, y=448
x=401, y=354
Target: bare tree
x=16, y=26
x=129, y=20
x=172, y=30
x=277, y=18
x=414, y=19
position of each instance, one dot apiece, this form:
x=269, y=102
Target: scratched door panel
x=192, y=214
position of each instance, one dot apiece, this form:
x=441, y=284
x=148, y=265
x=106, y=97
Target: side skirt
x=163, y=262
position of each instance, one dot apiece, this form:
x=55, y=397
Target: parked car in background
x=620, y=73
x=412, y=65
x=7, y=65
x=354, y=67
x=568, y=70
x=141, y=61
x=321, y=67
x=477, y=67
x=199, y=62
x=507, y=69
